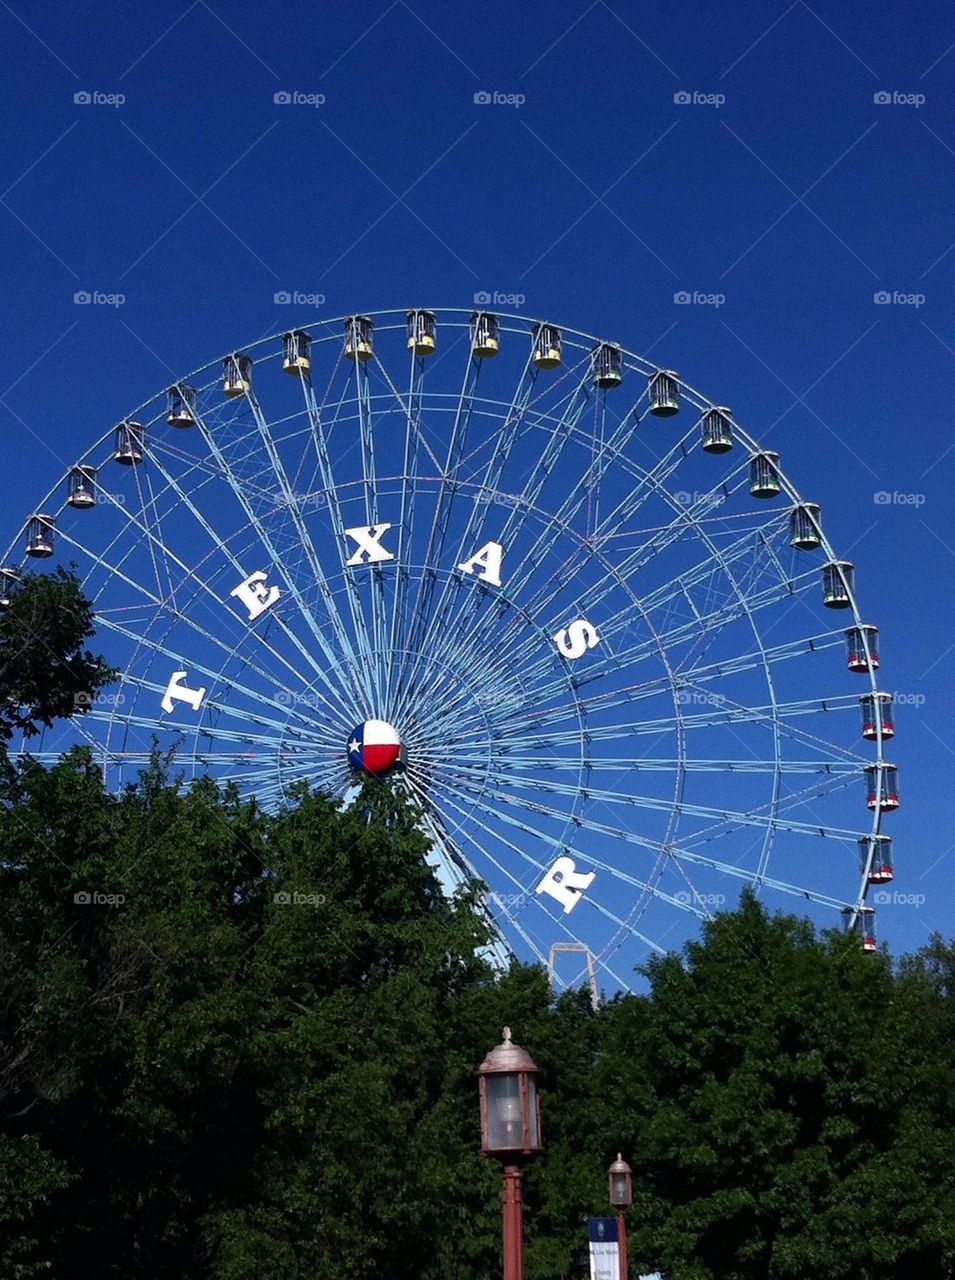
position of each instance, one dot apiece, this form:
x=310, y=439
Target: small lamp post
x=621, y=1196
x=511, y=1133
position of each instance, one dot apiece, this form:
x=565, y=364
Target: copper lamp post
x=621, y=1196
x=511, y=1133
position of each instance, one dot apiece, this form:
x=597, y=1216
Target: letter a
x=488, y=560
x=565, y=883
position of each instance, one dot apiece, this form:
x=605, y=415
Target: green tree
x=233, y=1031
x=236, y=1043
x=45, y=673
x=781, y=1124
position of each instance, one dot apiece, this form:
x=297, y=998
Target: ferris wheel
x=565, y=600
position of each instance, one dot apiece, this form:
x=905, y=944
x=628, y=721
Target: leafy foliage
x=45, y=673
x=240, y=1044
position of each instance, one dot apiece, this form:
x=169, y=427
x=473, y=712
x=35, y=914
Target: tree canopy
x=243, y=1044
x=45, y=673
x=237, y=1043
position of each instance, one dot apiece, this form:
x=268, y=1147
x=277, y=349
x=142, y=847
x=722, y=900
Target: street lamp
x=621, y=1195
x=511, y=1133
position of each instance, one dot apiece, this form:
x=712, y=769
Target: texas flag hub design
x=373, y=746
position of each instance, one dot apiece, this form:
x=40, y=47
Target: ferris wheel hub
x=374, y=746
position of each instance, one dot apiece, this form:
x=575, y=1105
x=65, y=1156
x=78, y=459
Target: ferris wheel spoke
x=474, y=529
x=185, y=499
x=521, y=505
x=411, y=410
x=625, y=695
x=528, y=728
x=470, y=626
x=448, y=487
x=556, y=846
x=611, y=524
x=750, y=818
x=376, y=657
x=771, y=882
x=204, y=634
x=508, y=763
x=457, y=870
x=256, y=697
x=702, y=572
x=271, y=549
x=360, y=673
x=163, y=585
x=504, y=655
x=132, y=720
x=730, y=611
x=367, y=649
x=650, y=484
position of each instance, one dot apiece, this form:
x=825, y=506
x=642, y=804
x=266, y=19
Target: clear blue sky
x=782, y=187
